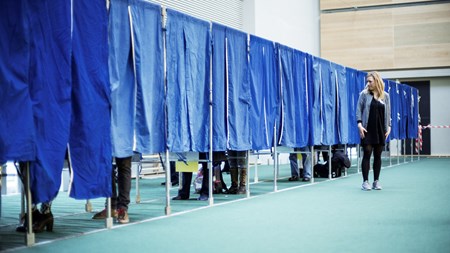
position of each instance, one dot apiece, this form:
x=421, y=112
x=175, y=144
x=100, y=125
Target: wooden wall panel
x=339, y=4
x=389, y=38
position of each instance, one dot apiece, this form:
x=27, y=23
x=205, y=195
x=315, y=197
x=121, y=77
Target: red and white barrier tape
x=419, y=139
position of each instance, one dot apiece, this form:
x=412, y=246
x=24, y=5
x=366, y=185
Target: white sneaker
x=376, y=185
x=365, y=186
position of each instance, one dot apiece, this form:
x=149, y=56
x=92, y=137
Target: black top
x=375, y=125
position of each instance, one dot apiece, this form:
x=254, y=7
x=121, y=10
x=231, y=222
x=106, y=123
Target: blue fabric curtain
x=50, y=89
x=353, y=95
x=294, y=131
x=90, y=136
x=239, y=137
x=17, y=131
x=391, y=89
x=404, y=107
x=149, y=66
x=264, y=91
x=414, y=130
x=410, y=107
x=122, y=81
x=339, y=79
x=323, y=104
x=219, y=88
x=316, y=101
x=328, y=104
x=188, y=68
x=394, y=94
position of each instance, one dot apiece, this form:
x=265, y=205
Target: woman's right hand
x=362, y=131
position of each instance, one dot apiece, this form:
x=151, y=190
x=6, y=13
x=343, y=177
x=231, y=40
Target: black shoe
x=293, y=178
x=232, y=190
x=306, y=179
x=180, y=198
x=173, y=183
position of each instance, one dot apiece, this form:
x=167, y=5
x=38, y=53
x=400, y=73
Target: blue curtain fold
x=353, y=95
x=188, y=72
x=339, y=80
x=90, y=136
x=414, y=130
x=328, y=104
x=316, y=101
x=264, y=91
x=149, y=66
x=410, y=109
x=219, y=91
x=294, y=127
x=50, y=90
x=404, y=107
x=122, y=80
x=394, y=95
x=239, y=137
x=17, y=131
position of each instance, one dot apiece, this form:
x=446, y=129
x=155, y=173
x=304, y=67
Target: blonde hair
x=379, y=84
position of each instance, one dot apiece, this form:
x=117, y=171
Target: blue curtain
x=294, y=131
x=410, y=108
x=394, y=94
x=219, y=88
x=353, y=94
x=188, y=68
x=328, y=104
x=316, y=101
x=90, y=136
x=264, y=91
x=17, y=131
x=239, y=137
x=404, y=107
x=414, y=130
x=50, y=90
x=122, y=81
x=149, y=66
x=339, y=79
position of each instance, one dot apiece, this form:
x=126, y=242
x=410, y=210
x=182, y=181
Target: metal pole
x=330, y=176
x=256, y=179
x=109, y=219
x=168, y=183
x=29, y=238
x=275, y=157
x=247, y=154
x=138, y=191
x=211, y=156
x=313, y=161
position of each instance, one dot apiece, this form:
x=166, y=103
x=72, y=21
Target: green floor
x=411, y=214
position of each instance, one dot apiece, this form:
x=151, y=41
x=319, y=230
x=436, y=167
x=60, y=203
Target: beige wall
x=396, y=38
x=338, y=4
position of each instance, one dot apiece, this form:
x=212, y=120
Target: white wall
x=440, y=115
x=289, y=22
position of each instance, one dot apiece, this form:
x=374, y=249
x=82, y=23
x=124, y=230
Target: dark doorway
x=424, y=112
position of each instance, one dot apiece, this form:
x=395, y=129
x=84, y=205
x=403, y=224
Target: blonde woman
x=373, y=114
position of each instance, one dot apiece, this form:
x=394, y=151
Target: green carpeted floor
x=411, y=214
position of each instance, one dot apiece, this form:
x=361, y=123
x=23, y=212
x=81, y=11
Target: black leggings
x=377, y=150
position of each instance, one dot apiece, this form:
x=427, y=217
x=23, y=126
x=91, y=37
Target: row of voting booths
x=140, y=78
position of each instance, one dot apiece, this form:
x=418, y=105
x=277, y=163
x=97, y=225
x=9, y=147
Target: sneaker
x=102, y=214
x=376, y=185
x=122, y=216
x=365, y=186
x=203, y=197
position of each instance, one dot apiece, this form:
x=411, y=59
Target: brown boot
x=242, y=181
x=234, y=181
